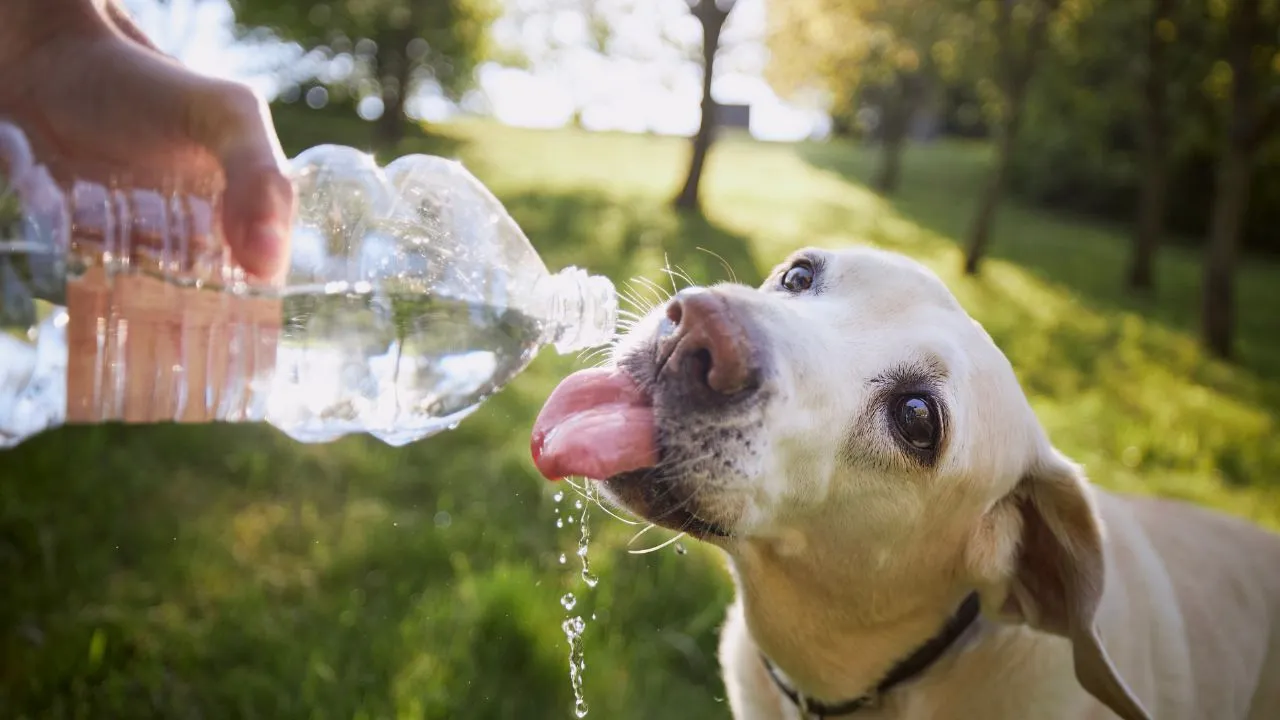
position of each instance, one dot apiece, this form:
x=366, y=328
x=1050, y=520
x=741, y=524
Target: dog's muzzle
x=705, y=352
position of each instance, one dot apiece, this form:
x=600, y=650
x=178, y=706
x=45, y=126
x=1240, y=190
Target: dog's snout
x=711, y=346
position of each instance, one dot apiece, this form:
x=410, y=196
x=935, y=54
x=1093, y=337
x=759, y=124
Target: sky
x=651, y=82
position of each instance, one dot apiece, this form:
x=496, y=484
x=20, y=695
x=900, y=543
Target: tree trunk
x=712, y=20
x=1155, y=148
x=1151, y=214
x=899, y=108
x=1017, y=73
x=1235, y=166
x=985, y=220
x=1230, y=199
x=394, y=75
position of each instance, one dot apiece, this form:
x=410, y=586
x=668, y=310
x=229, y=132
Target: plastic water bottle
x=411, y=297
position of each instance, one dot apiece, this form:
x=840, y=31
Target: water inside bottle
x=399, y=366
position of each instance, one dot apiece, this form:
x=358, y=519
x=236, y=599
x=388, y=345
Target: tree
x=1253, y=113
x=1154, y=142
x=711, y=15
x=392, y=47
x=890, y=55
x=1016, y=65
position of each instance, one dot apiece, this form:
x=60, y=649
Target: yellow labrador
x=905, y=540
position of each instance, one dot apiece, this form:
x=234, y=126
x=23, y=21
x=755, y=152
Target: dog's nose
x=711, y=347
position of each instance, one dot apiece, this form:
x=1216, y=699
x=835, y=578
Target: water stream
x=574, y=626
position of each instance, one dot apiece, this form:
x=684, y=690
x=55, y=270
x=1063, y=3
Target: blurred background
x=1097, y=180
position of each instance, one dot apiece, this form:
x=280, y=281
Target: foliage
x=1079, y=149
x=443, y=40
x=185, y=572
x=846, y=47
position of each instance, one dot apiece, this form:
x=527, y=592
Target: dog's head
x=847, y=413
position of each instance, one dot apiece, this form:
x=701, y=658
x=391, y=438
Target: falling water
x=574, y=626
x=583, y=540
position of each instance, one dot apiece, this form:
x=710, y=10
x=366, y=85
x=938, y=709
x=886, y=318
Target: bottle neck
x=582, y=310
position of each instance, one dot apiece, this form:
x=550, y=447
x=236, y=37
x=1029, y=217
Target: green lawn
x=223, y=572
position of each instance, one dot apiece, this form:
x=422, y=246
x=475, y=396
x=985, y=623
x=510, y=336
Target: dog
x=904, y=539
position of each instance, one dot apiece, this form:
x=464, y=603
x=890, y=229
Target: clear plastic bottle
x=411, y=297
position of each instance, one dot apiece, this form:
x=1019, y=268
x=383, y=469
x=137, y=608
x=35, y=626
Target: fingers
x=234, y=125
x=112, y=104
x=257, y=204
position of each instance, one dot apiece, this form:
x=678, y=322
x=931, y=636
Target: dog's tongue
x=596, y=424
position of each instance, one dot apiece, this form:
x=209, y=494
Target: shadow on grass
x=227, y=571
x=1118, y=379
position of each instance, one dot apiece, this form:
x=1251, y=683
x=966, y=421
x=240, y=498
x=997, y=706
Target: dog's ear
x=1059, y=572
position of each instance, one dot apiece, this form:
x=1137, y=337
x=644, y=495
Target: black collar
x=915, y=664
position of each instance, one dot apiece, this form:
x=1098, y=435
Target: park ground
x=227, y=571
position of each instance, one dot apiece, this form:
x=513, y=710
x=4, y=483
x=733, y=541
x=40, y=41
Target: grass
x=227, y=571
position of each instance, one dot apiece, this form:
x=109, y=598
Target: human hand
x=97, y=99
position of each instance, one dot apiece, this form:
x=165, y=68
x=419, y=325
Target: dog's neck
x=835, y=635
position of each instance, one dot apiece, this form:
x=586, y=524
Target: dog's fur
x=848, y=550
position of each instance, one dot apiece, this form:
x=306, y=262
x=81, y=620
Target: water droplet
x=559, y=523
x=681, y=549
x=562, y=558
x=568, y=601
x=558, y=496
x=577, y=504
x=570, y=519
x=593, y=616
x=589, y=579
x=573, y=627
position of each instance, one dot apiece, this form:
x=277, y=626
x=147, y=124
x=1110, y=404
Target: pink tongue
x=595, y=424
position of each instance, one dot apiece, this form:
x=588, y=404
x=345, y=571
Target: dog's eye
x=916, y=421
x=798, y=278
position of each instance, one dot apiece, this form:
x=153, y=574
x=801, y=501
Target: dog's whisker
x=632, y=295
x=647, y=527
x=594, y=496
x=666, y=263
x=682, y=274
x=590, y=495
x=616, y=516
x=596, y=354
x=639, y=292
x=733, y=277
x=590, y=354
x=653, y=287
x=675, y=275
x=659, y=546
x=657, y=290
